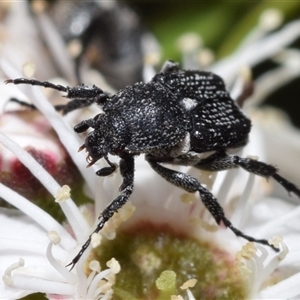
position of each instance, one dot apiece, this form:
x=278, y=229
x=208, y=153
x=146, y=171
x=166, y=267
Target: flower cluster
x=170, y=248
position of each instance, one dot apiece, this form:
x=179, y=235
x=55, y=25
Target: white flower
x=34, y=248
x=40, y=271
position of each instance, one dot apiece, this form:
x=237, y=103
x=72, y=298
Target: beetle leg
x=82, y=96
x=221, y=161
x=74, y=104
x=22, y=103
x=192, y=185
x=64, y=108
x=107, y=170
x=84, y=125
x=127, y=171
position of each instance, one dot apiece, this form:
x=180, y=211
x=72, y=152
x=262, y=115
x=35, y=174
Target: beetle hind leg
x=192, y=185
x=221, y=161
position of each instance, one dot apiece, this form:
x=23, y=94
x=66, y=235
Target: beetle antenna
x=44, y=84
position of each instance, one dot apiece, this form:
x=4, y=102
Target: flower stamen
x=71, y=278
x=63, y=194
x=7, y=278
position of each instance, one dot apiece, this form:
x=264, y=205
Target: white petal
x=285, y=289
x=20, y=236
x=257, y=52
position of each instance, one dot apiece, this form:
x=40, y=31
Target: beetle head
x=104, y=139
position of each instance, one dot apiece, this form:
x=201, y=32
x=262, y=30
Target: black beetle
x=180, y=117
x=111, y=35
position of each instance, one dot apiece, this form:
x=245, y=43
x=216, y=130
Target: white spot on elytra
x=189, y=103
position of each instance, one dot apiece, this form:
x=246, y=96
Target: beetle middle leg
x=127, y=171
x=192, y=185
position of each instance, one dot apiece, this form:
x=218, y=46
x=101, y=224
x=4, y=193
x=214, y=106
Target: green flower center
x=146, y=252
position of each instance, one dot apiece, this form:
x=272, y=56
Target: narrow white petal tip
x=96, y=240
x=114, y=266
x=63, y=194
x=28, y=69
x=271, y=19
x=206, y=57
x=152, y=59
x=7, y=274
x=189, y=42
x=74, y=48
x=54, y=237
x=94, y=265
x=246, y=73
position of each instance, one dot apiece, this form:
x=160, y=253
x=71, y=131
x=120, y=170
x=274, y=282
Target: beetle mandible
x=180, y=117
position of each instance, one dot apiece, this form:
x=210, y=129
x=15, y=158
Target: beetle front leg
x=81, y=96
x=127, y=171
x=73, y=105
x=106, y=171
x=64, y=108
x=84, y=125
x=192, y=185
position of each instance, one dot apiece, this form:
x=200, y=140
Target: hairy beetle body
x=178, y=108
x=180, y=117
